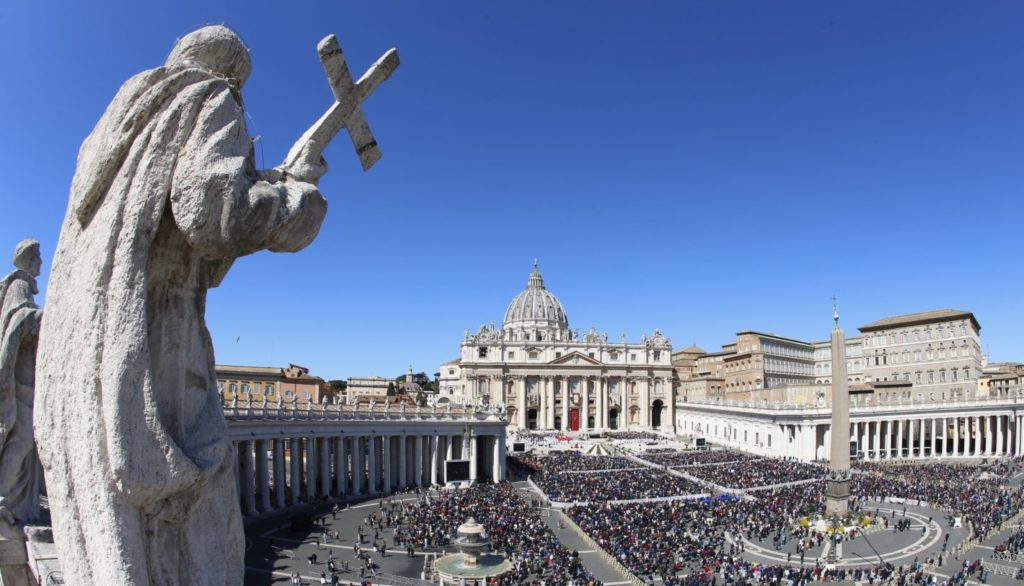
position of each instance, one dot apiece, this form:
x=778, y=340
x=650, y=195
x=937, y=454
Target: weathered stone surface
x=130, y=426
x=20, y=472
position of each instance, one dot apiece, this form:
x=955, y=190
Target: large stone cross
x=346, y=111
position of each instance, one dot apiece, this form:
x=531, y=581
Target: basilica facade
x=550, y=377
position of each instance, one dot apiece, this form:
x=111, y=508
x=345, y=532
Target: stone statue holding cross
x=165, y=197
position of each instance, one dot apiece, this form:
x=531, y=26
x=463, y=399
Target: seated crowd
x=955, y=488
x=513, y=526
x=634, y=435
x=756, y=473
x=569, y=461
x=622, y=485
x=677, y=459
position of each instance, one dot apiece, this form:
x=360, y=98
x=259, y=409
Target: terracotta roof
x=691, y=349
x=924, y=317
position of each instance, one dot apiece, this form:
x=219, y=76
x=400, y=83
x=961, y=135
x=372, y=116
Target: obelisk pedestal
x=837, y=487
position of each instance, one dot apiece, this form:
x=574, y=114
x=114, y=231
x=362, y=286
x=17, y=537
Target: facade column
x=645, y=402
x=418, y=465
x=542, y=395
x=888, y=439
x=551, y=402
x=623, y=402
x=1018, y=436
x=385, y=460
x=521, y=403
x=564, y=383
x=263, y=469
x=585, y=404
x=296, y=465
x=990, y=434
x=877, y=441
x=357, y=465
x=279, y=481
x=474, y=446
x=599, y=402
x=248, y=476
x=935, y=438
x=403, y=465
x=340, y=466
x=670, y=406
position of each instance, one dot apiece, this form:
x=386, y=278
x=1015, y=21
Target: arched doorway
x=613, y=419
x=531, y=419
x=656, y=414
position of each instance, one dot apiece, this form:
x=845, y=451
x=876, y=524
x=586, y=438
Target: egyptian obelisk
x=837, y=489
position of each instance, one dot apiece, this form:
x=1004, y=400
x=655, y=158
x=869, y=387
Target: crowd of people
x=631, y=484
x=634, y=435
x=513, y=527
x=570, y=461
x=981, y=497
x=756, y=473
x=678, y=459
x=697, y=541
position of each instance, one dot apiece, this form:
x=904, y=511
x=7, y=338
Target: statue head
x=216, y=49
x=26, y=256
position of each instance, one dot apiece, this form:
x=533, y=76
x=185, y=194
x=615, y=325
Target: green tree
x=338, y=385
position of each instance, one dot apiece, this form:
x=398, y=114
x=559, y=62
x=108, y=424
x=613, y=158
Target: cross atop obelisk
x=346, y=111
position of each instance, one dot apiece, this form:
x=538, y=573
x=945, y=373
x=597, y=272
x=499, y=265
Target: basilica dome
x=536, y=308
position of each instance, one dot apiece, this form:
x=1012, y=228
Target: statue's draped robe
x=20, y=472
x=134, y=444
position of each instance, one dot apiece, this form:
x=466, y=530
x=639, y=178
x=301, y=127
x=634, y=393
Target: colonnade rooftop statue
x=165, y=197
x=20, y=473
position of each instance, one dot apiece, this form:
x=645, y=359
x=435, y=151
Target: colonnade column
x=999, y=436
x=956, y=436
x=372, y=473
x=310, y=453
x=340, y=466
x=263, y=471
x=435, y=458
x=499, y=448
x=325, y=466
x=357, y=465
x=418, y=465
x=296, y=465
x=920, y=438
x=279, y=481
x=474, y=446
x=888, y=439
x=385, y=457
x=248, y=476
x=403, y=482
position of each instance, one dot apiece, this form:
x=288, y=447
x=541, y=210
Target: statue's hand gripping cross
x=346, y=111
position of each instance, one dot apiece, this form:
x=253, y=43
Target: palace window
x=481, y=352
x=931, y=376
x=533, y=354
x=632, y=357
x=558, y=354
x=657, y=354
x=511, y=355
x=955, y=376
x=233, y=387
x=220, y=386
x=613, y=356
x=245, y=388
x=591, y=355
x=268, y=389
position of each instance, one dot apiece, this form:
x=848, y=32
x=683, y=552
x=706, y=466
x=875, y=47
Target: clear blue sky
x=700, y=167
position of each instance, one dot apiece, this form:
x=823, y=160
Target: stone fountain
x=471, y=567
